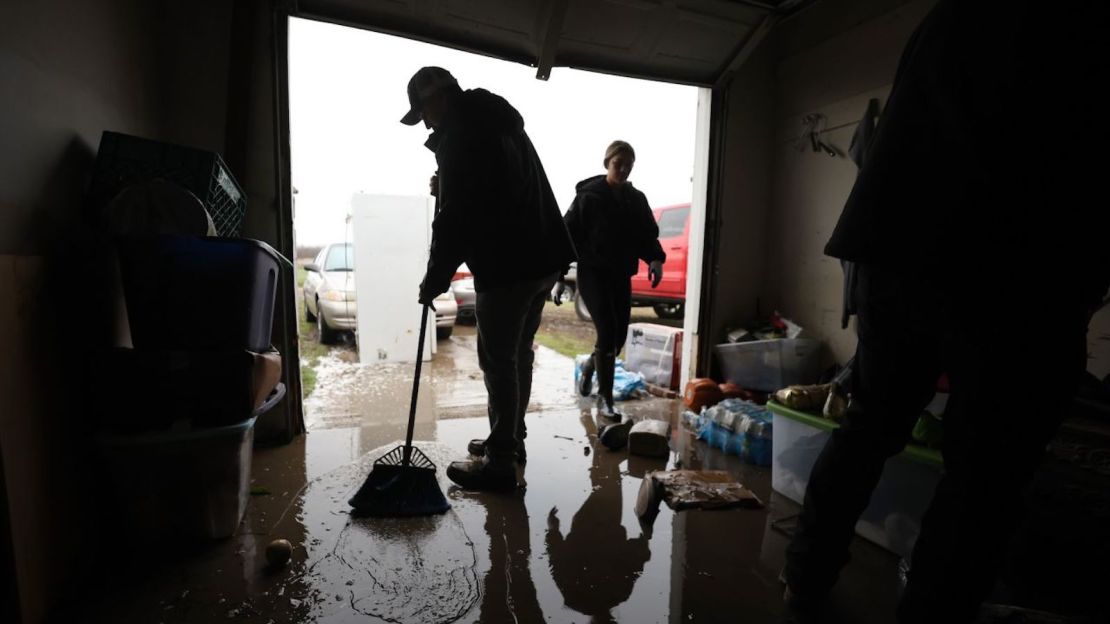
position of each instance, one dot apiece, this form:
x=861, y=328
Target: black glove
x=655, y=273
x=427, y=295
x=558, y=292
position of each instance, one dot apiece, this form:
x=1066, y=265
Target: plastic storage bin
x=192, y=484
x=893, y=518
x=208, y=388
x=122, y=160
x=768, y=365
x=188, y=293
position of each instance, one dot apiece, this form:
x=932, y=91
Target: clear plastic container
x=192, y=484
x=769, y=365
x=893, y=518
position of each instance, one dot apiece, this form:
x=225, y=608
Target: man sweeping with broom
x=496, y=212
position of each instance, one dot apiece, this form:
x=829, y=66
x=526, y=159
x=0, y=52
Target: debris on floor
x=650, y=438
x=661, y=392
x=278, y=552
x=1001, y=614
x=692, y=489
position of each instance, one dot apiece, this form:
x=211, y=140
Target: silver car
x=329, y=295
x=446, y=313
x=464, y=297
x=329, y=291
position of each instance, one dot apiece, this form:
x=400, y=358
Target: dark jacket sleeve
x=575, y=222
x=459, y=191
x=648, y=248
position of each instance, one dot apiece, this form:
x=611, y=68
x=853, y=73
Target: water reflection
x=509, y=595
x=596, y=565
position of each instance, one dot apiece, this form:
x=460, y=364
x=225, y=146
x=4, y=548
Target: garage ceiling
x=684, y=41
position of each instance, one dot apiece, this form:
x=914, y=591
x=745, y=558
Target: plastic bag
x=804, y=397
x=737, y=427
x=757, y=441
x=626, y=385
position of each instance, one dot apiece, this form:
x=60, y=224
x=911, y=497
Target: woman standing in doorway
x=613, y=228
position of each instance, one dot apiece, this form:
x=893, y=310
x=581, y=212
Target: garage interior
x=212, y=74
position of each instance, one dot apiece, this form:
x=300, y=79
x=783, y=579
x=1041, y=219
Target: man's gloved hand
x=557, y=293
x=655, y=273
x=427, y=295
x=433, y=185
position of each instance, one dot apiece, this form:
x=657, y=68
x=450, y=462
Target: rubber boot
x=586, y=377
x=606, y=364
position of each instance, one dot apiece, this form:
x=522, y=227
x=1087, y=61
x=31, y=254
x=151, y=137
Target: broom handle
x=416, y=384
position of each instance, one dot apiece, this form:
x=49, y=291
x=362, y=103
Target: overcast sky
x=347, y=95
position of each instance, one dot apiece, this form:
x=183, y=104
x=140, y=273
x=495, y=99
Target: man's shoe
x=586, y=378
x=615, y=437
x=477, y=448
x=800, y=608
x=483, y=475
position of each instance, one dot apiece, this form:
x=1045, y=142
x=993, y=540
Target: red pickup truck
x=669, y=298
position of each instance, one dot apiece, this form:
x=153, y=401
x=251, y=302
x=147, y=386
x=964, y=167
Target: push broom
x=403, y=481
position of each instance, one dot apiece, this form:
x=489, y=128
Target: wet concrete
x=565, y=548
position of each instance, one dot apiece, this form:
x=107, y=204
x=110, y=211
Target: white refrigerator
x=391, y=235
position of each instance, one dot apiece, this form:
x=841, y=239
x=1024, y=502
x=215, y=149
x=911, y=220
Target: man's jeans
x=1004, y=407
x=508, y=318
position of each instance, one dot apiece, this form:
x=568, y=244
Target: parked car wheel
x=669, y=310
x=444, y=333
x=308, y=315
x=325, y=334
x=580, y=308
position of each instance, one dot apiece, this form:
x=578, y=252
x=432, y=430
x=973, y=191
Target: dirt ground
x=563, y=331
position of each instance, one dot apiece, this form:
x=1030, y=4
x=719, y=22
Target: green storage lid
x=915, y=452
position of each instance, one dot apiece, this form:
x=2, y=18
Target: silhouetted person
x=979, y=228
x=496, y=212
x=613, y=228
x=596, y=564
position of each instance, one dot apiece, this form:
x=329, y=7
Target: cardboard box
x=655, y=351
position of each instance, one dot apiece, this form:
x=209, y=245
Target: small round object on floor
x=278, y=552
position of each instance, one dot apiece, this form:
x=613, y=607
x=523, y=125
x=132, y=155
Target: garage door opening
x=347, y=94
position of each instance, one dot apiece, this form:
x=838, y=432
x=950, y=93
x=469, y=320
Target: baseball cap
x=424, y=83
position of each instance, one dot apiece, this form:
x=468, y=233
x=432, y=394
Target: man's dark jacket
x=986, y=169
x=496, y=211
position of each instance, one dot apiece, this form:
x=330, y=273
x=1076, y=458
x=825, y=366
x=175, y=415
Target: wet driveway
x=565, y=548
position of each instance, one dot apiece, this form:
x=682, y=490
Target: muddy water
x=567, y=547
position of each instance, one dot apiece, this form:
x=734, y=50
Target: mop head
x=396, y=489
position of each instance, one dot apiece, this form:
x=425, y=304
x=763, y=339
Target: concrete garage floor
x=566, y=548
